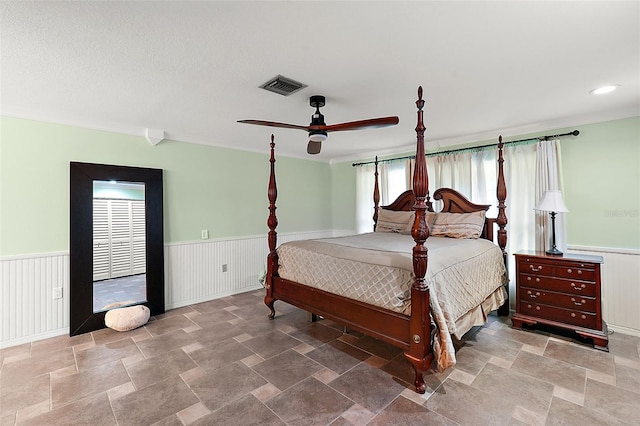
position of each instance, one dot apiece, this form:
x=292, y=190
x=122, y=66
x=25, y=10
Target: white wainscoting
x=620, y=287
x=193, y=274
x=194, y=270
x=28, y=310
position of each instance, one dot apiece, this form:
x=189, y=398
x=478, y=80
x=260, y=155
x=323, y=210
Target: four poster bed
x=379, y=284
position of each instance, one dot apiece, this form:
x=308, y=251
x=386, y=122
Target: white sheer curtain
x=519, y=171
x=468, y=173
x=392, y=182
x=395, y=181
x=548, y=176
x=530, y=169
x=365, y=179
x=409, y=167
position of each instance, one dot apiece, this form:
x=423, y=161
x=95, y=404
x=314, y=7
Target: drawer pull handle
x=583, y=316
x=531, y=295
x=537, y=308
x=580, y=303
x=537, y=280
x=569, y=270
x=579, y=271
x=573, y=314
x=535, y=269
x=578, y=287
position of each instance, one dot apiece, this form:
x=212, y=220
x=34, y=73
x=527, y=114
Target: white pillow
x=393, y=221
x=430, y=216
x=125, y=319
x=458, y=225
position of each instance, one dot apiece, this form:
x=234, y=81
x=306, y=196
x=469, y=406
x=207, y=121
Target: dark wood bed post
x=420, y=353
x=501, y=193
x=272, y=223
x=376, y=196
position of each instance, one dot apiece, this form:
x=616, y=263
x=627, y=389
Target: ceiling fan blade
x=362, y=124
x=314, y=147
x=274, y=124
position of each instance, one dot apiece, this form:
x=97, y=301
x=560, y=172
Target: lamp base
x=554, y=252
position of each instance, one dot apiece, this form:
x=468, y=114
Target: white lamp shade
x=552, y=202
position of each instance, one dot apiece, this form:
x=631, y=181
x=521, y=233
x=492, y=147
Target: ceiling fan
x=318, y=130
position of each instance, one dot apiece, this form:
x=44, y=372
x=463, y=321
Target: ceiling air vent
x=283, y=85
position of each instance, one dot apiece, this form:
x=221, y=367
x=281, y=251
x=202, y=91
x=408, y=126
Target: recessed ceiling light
x=604, y=89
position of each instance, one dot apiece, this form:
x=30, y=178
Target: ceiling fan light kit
x=317, y=136
x=318, y=130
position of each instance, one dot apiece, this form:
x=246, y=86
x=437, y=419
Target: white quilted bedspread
x=377, y=268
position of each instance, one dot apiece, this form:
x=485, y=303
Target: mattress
x=465, y=276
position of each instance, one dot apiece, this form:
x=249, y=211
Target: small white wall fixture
x=154, y=136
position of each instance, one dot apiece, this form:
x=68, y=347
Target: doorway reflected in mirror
x=119, y=265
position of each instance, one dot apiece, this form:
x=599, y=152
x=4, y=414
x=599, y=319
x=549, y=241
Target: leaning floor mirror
x=116, y=242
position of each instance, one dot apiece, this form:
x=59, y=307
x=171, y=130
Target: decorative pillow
x=393, y=221
x=430, y=216
x=125, y=319
x=458, y=225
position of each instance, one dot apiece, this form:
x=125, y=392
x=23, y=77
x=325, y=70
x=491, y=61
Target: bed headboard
x=453, y=202
x=404, y=202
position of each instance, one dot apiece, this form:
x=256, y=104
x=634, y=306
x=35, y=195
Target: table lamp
x=552, y=202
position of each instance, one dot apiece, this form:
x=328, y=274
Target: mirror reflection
x=119, y=246
x=82, y=316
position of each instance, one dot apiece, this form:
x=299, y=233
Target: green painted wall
x=601, y=169
x=222, y=190
x=343, y=195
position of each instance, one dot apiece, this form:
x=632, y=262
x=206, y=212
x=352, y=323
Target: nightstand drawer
x=587, y=304
x=567, y=316
x=535, y=268
x=559, y=285
x=584, y=274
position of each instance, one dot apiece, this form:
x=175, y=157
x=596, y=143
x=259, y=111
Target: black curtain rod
x=538, y=138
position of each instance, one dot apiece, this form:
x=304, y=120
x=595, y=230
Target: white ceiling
x=193, y=69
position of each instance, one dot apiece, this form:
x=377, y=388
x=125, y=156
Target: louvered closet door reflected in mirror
x=119, y=264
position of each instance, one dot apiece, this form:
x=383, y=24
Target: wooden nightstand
x=560, y=291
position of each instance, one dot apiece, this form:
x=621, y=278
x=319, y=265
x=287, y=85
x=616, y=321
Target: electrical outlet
x=224, y=267
x=205, y=234
x=57, y=293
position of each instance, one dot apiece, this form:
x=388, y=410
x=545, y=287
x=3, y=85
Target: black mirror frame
x=82, y=175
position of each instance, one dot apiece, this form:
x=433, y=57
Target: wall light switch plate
x=205, y=234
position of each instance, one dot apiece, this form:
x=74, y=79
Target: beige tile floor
x=224, y=363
